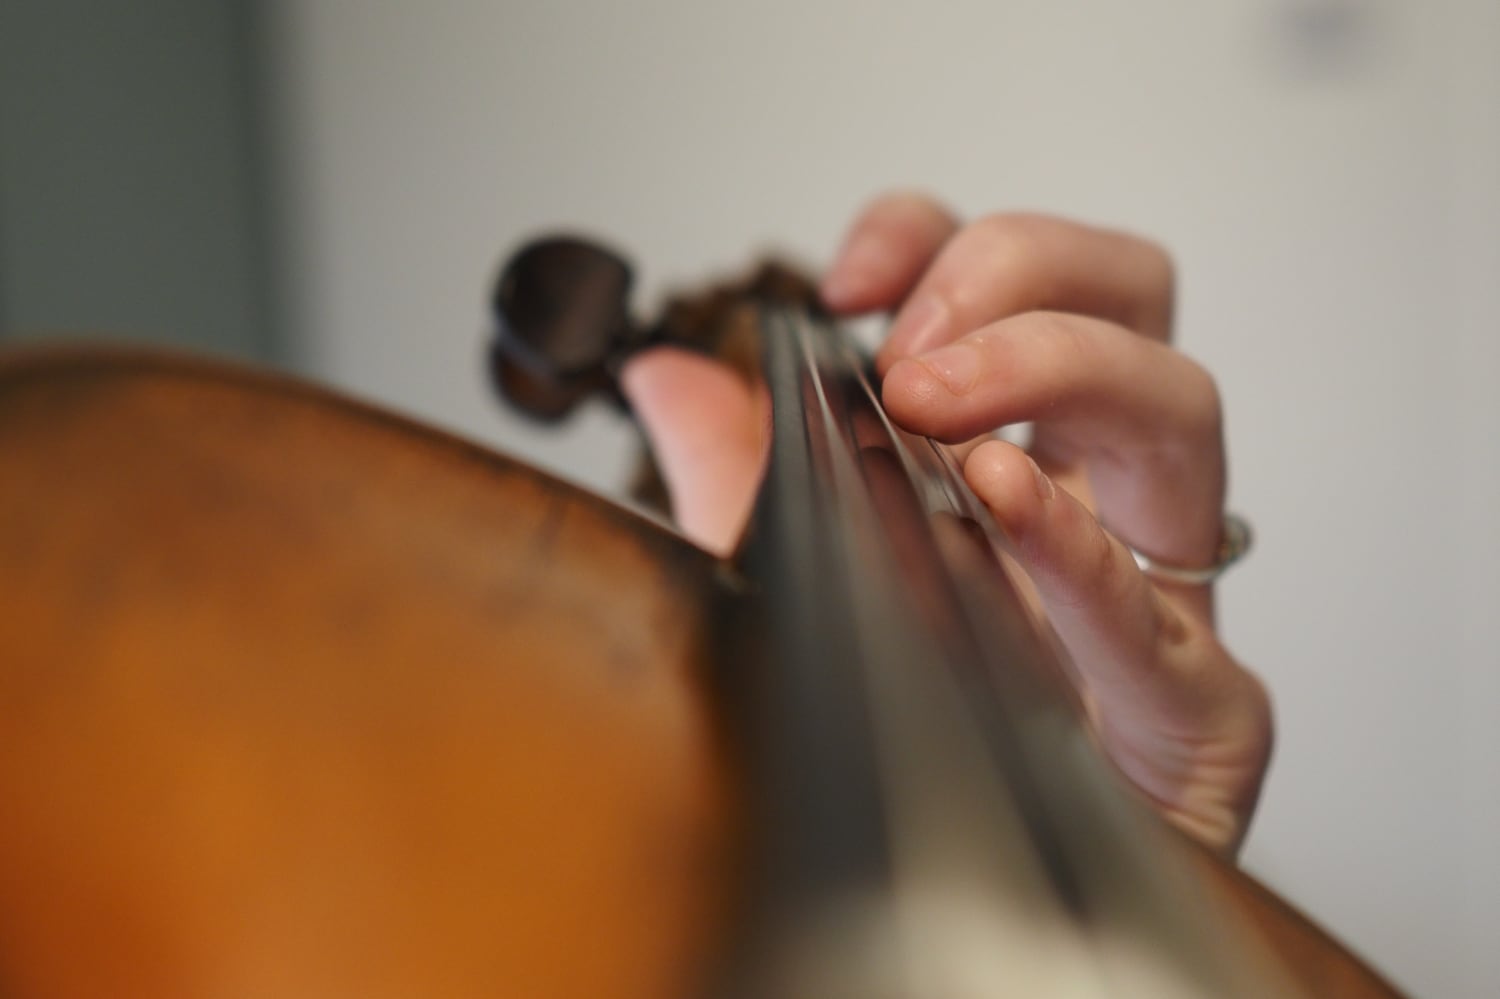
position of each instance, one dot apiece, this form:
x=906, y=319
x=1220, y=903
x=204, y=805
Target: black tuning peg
x=561, y=325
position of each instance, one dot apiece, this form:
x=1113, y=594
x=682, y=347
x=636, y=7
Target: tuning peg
x=561, y=315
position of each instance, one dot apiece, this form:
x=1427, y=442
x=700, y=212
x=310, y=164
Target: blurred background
x=327, y=186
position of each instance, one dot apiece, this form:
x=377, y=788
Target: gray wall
x=1327, y=172
x=130, y=187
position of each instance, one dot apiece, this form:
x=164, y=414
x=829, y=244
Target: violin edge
x=80, y=356
x=1323, y=964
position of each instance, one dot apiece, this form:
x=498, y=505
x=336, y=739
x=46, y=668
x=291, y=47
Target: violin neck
x=925, y=787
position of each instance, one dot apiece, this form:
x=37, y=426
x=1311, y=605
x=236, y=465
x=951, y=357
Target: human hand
x=1012, y=319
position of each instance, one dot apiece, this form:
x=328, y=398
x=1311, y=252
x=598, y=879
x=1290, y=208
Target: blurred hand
x=1022, y=318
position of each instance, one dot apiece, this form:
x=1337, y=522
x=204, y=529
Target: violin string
x=959, y=847
x=1159, y=900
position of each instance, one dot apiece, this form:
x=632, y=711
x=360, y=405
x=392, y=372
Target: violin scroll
x=563, y=330
x=561, y=313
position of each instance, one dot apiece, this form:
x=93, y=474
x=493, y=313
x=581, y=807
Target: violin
x=299, y=697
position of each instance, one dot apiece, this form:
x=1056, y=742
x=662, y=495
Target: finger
x=1144, y=419
x=1105, y=609
x=885, y=252
x=1181, y=717
x=708, y=430
x=1005, y=265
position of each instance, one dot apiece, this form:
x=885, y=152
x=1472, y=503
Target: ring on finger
x=1234, y=543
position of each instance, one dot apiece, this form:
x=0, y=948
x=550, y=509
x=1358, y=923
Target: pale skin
x=1023, y=318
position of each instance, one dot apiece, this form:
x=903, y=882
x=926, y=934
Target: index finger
x=885, y=252
x=1009, y=264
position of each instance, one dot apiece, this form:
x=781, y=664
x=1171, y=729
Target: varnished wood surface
x=299, y=699
x=1313, y=960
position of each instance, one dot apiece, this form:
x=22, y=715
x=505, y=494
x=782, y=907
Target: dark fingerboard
x=931, y=815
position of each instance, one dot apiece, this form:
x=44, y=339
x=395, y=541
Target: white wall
x=1327, y=172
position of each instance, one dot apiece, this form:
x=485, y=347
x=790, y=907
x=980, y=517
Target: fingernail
x=922, y=324
x=956, y=366
x=1045, y=490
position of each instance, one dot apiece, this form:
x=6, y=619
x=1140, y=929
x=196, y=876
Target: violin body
x=299, y=698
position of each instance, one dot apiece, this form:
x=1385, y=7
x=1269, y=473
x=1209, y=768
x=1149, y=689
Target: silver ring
x=1234, y=543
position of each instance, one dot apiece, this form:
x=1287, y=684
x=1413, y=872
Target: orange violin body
x=299, y=698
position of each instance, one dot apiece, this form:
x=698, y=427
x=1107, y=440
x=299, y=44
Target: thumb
x=708, y=430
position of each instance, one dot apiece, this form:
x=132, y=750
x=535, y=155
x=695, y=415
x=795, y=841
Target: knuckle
x=1021, y=235
x=1096, y=570
x=1059, y=340
x=909, y=205
x=1237, y=695
x=1156, y=286
x=1241, y=708
x=1203, y=404
x=1114, y=569
x=1263, y=712
x=1171, y=625
x=1074, y=342
x=1159, y=270
x=1152, y=265
x=1255, y=698
x=1026, y=226
x=1010, y=246
x=1037, y=348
